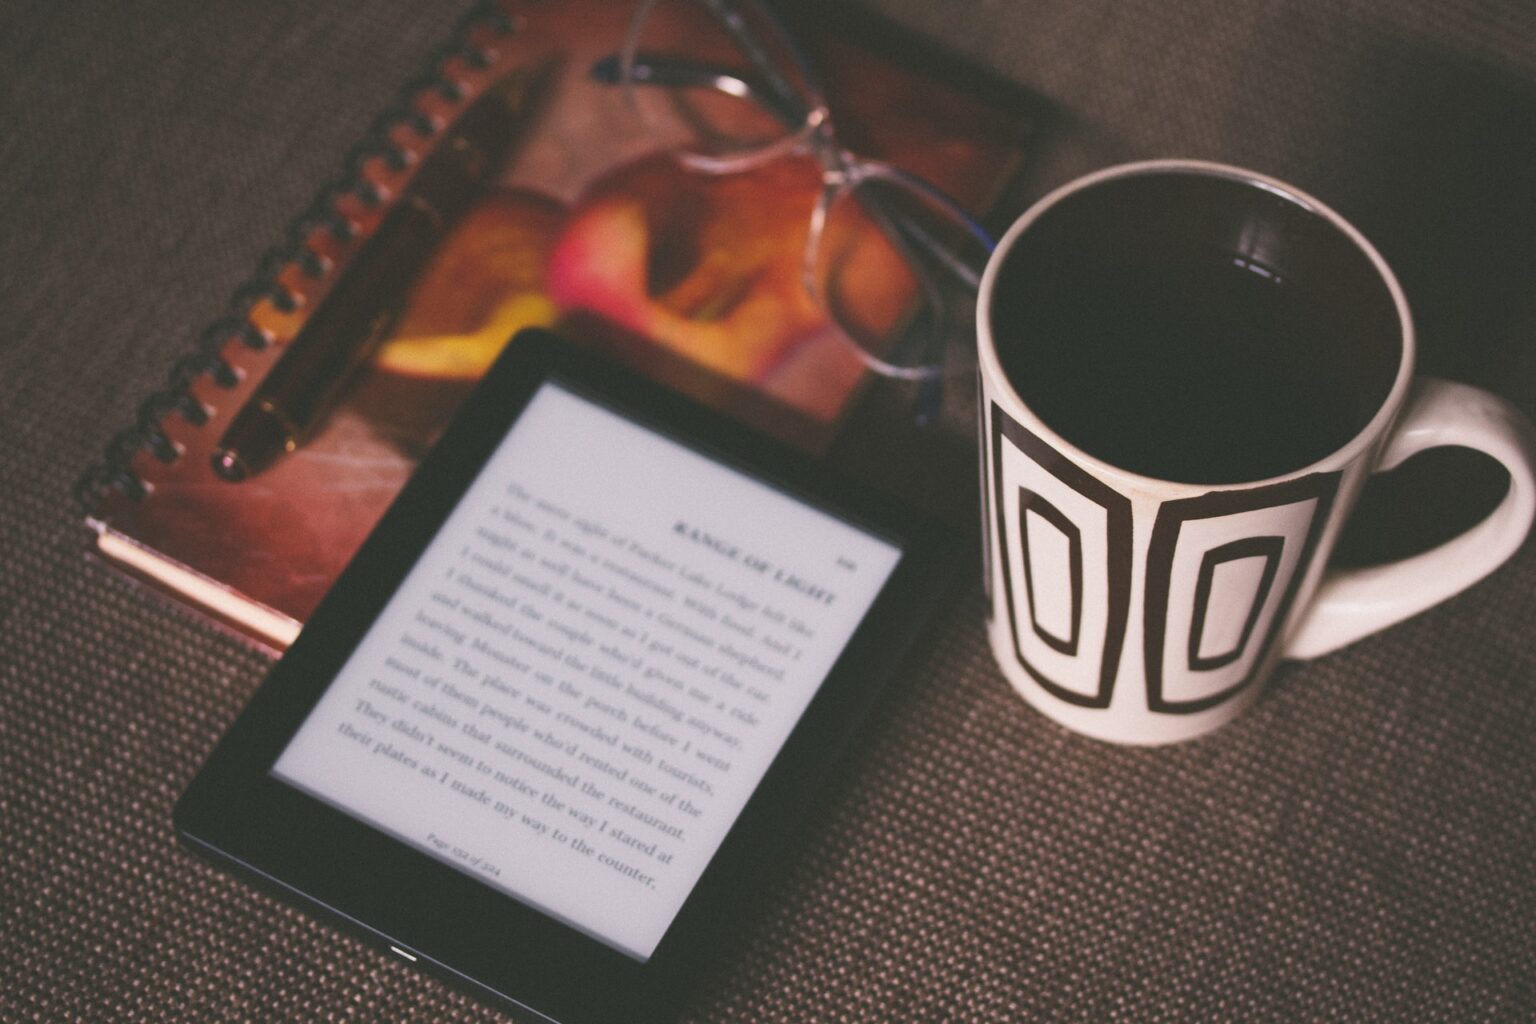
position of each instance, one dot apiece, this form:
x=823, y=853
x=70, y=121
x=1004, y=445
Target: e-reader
x=555, y=720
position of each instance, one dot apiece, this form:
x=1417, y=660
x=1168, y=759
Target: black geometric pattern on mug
x=1263, y=571
x=1097, y=560
x=1267, y=548
x=1031, y=502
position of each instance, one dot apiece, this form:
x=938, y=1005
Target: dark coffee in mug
x=1195, y=328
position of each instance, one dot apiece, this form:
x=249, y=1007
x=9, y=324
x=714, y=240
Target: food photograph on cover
x=592, y=511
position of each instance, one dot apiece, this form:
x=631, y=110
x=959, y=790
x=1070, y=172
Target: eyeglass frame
x=809, y=118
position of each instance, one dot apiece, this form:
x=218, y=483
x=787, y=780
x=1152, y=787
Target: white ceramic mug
x=1157, y=533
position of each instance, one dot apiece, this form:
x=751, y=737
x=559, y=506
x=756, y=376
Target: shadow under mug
x=1187, y=373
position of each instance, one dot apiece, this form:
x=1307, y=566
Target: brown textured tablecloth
x=1361, y=846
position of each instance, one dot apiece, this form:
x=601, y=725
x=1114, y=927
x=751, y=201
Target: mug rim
x=1341, y=455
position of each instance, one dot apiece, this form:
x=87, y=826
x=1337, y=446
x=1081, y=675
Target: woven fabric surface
x=1360, y=846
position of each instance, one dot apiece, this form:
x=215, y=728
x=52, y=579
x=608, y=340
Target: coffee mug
x=1187, y=373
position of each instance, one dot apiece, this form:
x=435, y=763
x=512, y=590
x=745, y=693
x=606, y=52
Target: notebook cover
x=582, y=212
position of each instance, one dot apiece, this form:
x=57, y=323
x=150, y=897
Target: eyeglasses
x=893, y=261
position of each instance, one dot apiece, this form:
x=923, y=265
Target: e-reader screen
x=589, y=668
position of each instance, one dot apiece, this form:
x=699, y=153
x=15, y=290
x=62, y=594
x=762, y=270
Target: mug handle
x=1353, y=603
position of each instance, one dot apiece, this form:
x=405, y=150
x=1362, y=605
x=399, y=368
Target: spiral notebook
x=587, y=206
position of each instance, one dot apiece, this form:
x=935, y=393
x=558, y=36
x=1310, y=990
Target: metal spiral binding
x=205, y=359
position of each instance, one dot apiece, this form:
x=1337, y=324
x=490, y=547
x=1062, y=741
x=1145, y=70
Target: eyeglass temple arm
x=925, y=336
x=906, y=232
x=941, y=253
x=676, y=74
x=728, y=13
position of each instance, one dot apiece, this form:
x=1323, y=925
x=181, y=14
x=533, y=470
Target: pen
x=307, y=379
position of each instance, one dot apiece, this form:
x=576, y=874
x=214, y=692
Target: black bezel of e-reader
x=441, y=918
